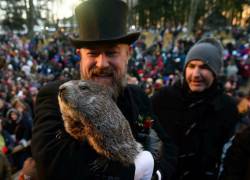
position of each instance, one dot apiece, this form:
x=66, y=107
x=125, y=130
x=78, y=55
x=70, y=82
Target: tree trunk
x=30, y=18
x=192, y=15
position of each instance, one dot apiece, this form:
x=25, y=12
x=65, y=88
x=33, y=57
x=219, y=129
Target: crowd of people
x=161, y=62
x=158, y=60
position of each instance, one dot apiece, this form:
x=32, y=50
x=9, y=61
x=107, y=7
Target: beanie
x=210, y=51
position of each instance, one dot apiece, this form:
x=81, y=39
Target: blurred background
x=29, y=16
x=35, y=49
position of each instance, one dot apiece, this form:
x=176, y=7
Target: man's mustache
x=102, y=72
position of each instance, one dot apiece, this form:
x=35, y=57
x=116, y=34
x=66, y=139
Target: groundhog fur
x=89, y=112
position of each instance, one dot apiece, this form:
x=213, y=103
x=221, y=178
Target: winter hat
x=210, y=51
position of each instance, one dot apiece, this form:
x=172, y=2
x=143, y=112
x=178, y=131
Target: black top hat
x=102, y=21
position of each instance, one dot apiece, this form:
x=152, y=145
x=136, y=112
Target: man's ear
x=130, y=50
x=78, y=51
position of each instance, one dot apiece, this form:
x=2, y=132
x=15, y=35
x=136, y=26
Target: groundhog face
x=84, y=96
x=89, y=112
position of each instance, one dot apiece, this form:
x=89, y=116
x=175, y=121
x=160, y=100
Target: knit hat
x=208, y=50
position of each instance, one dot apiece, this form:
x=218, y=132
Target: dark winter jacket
x=199, y=124
x=236, y=165
x=5, y=169
x=59, y=156
x=21, y=128
x=9, y=141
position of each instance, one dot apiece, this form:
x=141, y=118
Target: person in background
x=5, y=168
x=20, y=130
x=199, y=117
x=7, y=143
x=236, y=164
x=29, y=170
x=243, y=106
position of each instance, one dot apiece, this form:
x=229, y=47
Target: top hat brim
x=127, y=39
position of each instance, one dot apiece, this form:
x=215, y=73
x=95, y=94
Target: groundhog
x=89, y=112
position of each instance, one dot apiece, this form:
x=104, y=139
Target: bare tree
x=192, y=15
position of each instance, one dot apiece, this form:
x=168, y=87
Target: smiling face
x=105, y=64
x=198, y=76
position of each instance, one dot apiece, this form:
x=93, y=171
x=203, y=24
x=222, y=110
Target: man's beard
x=119, y=80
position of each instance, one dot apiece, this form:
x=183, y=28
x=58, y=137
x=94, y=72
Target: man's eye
x=205, y=66
x=93, y=53
x=110, y=53
x=191, y=66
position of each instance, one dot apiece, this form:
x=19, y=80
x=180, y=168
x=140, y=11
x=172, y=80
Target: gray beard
x=117, y=86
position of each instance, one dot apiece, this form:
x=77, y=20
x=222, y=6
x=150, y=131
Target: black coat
x=59, y=156
x=199, y=125
x=236, y=165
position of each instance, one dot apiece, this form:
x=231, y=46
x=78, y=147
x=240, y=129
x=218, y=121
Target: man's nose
x=196, y=71
x=102, y=61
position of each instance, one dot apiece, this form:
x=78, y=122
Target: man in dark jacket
x=236, y=165
x=104, y=49
x=196, y=113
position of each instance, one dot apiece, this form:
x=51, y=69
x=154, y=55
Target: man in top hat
x=104, y=47
x=199, y=117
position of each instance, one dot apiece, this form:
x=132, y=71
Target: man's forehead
x=105, y=46
x=196, y=61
